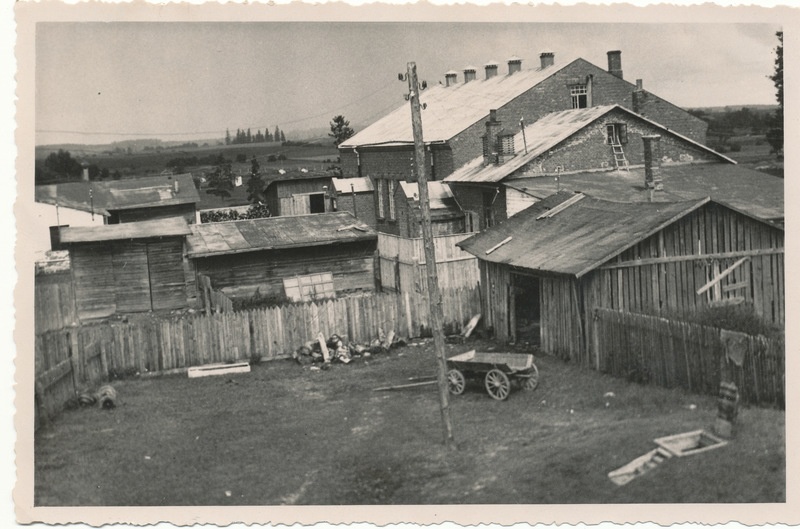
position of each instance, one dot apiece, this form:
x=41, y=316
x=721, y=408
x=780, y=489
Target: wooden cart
x=495, y=369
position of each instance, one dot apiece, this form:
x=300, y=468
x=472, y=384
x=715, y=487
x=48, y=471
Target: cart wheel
x=456, y=382
x=531, y=382
x=497, y=385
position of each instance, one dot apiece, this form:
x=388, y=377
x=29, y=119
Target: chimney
x=638, y=97
x=85, y=172
x=176, y=187
x=652, y=163
x=491, y=69
x=547, y=59
x=514, y=65
x=450, y=78
x=615, y=63
x=469, y=74
x=490, y=154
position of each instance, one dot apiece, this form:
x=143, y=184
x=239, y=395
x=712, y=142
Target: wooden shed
x=544, y=270
x=132, y=267
x=299, y=193
x=446, y=216
x=330, y=254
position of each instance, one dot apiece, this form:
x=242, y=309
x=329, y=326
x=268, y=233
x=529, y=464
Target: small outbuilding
x=131, y=267
x=356, y=195
x=299, y=192
x=546, y=269
x=295, y=258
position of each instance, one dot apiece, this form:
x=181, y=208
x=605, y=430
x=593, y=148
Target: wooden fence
x=402, y=263
x=67, y=360
x=54, y=302
x=212, y=300
x=672, y=353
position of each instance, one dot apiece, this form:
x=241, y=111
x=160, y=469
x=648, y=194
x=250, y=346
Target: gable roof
x=451, y=109
x=574, y=241
x=131, y=193
x=275, y=233
x=758, y=194
x=359, y=185
x=545, y=134
x=172, y=227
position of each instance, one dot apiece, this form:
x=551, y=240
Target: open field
x=284, y=434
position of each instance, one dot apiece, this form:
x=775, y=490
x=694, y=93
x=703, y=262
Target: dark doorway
x=526, y=309
x=317, y=202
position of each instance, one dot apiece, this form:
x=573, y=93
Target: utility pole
x=434, y=296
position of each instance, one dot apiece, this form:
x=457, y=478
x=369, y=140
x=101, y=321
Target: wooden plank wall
x=671, y=287
x=54, y=302
x=402, y=263
x=672, y=353
x=70, y=360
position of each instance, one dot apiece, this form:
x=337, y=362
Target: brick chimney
x=490, y=150
x=469, y=74
x=491, y=69
x=547, y=59
x=85, y=172
x=514, y=65
x=652, y=162
x=638, y=97
x=615, y=63
x=450, y=78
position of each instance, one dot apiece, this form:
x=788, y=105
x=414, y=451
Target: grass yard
x=284, y=434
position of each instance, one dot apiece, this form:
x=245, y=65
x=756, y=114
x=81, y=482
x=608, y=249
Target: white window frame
x=392, y=211
x=310, y=287
x=379, y=190
x=576, y=91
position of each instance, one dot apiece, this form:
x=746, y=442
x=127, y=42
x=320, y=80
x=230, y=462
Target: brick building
x=355, y=195
x=455, y=113
x=597, y=140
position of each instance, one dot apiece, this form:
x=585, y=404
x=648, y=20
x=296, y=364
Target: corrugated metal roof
x=755, y=193
x=359, y=185
x=114, y=195
x=546, y=133
x=451, y=109
x=439, y=194
x=577, y=239
x=220, y=238
x=130, y=230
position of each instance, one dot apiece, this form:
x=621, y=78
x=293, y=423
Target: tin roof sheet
x=172, y=227
x=273, y=233
x=451, y=109
x=359, y=185
x=577, y=239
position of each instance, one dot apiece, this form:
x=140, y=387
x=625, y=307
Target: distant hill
x=731, y=108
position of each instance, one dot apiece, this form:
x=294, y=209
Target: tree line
x=245, y=136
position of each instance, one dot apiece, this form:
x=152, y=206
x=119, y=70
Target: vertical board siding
x=672, y=353
x=402, y=263
x=77, y=359
x=54, y=302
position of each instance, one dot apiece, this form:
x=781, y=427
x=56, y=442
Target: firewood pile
x=337, y=349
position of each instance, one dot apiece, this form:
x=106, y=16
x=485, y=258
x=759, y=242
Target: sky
x=100, y=82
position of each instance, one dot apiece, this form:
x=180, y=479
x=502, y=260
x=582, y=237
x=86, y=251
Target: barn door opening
x=526, y=309
x=317, y=202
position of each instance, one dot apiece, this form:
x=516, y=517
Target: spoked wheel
x=456, y=382
x=497, y=385
x=530, y=382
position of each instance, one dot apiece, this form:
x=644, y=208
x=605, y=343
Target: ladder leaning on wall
x=619, y=156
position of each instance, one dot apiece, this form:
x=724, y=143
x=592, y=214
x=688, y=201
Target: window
x=616, y=133
x=488, y=214
x=392, y=185
x=379, y=191
x=580, y=96
x=309, y=288
x=507, y=144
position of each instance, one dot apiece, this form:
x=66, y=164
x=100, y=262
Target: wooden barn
x=299, y=192
x=286, y=258
x=544, y=270
x=133, y=267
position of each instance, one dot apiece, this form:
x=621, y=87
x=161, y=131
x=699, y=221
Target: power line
x=216, y=131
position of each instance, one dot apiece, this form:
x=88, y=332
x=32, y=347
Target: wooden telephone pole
x=434, y=296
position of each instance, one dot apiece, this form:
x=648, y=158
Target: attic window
x=309, y=288
x=392, y=213
x=580, y=96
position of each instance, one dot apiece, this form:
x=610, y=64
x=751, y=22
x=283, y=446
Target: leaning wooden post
x=434, y=296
